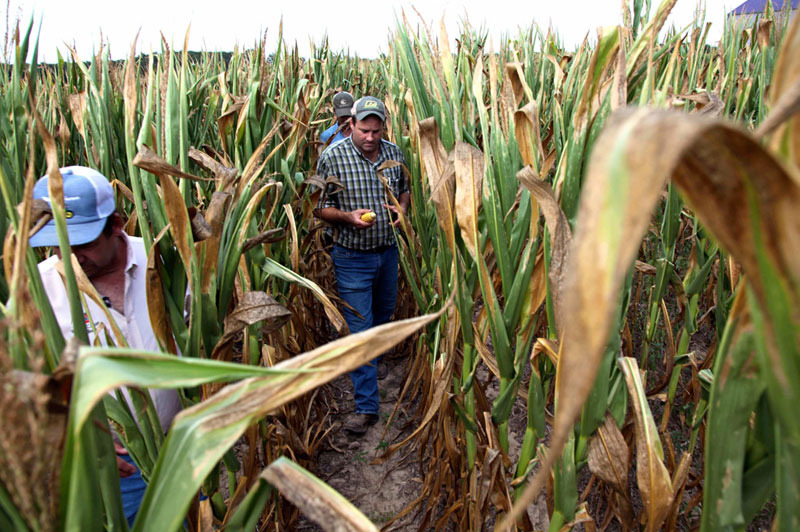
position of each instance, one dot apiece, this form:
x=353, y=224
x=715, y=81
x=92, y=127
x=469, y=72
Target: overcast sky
x=361, y=27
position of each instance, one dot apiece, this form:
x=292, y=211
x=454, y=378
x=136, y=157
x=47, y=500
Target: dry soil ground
x=382, y=490
x=346, y=462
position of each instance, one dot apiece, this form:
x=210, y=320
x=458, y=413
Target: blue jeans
x=367, y=281
x=132, y=491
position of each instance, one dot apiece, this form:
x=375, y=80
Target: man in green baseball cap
x=365, y=257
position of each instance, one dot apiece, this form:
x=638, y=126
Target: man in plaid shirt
x=365, y=252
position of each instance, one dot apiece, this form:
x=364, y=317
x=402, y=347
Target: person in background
x=342, y=106
x=116, y=265
x=365, y=253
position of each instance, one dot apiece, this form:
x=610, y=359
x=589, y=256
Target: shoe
x=359, y=423
x=383, y=370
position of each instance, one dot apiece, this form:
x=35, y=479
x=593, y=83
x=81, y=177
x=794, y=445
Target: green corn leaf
x=734, y=395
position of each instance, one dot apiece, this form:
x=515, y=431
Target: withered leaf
x=608, y=456
x=265, y=237
x=201, y=229
x=147, y=160
x=252, y=308
x=560, y=237
x=440, y=171
x=469, y=170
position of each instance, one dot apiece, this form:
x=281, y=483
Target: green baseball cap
x=369, y=105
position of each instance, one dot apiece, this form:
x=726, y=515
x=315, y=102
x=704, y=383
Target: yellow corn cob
x=368, y=217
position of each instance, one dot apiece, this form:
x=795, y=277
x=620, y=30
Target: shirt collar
x=382, y=154
x=132, y=261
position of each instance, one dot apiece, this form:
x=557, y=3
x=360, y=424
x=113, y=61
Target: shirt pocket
x=394, y=176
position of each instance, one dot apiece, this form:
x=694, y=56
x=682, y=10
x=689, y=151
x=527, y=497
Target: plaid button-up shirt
x=363, y=189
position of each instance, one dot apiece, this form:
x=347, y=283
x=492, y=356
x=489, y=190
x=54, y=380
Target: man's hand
x=355, y=220
x=396, y=214
x=125, y=469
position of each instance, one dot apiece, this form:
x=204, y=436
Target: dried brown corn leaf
x=469, y=171
x=440, y=171
x=653, y=479
x=608, y=456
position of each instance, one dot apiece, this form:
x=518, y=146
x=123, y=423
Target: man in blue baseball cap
x=89, y=201
x=116, y=265
x=342, y=108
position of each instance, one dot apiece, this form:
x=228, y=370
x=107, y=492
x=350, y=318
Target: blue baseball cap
x=89, y=201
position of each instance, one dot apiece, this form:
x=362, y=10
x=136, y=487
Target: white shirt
x=134, y=324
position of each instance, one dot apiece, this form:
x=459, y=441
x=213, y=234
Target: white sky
x=362, y=27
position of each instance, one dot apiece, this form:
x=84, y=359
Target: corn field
x=604, y=240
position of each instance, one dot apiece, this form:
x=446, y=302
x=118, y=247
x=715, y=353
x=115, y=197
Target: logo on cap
x=69, y=214
x=369, y=104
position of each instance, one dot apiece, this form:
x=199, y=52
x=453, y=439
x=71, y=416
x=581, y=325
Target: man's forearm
x=404, y=200
x=332, y=215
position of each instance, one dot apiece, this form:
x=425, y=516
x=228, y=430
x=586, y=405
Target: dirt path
x=380, y=491
x=383, y=490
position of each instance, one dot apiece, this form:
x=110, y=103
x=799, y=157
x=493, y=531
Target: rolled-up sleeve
x=403, y=182
x=326, y=199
